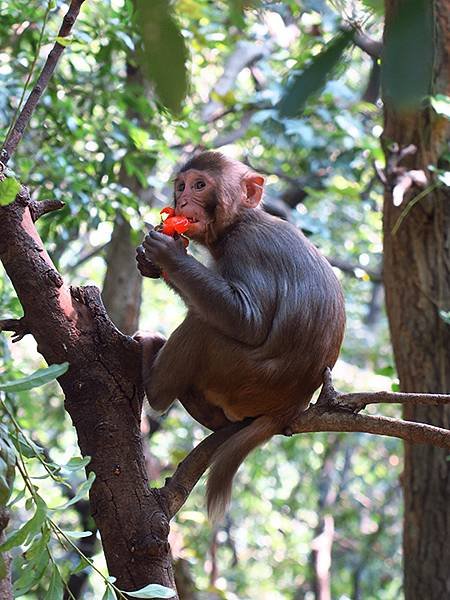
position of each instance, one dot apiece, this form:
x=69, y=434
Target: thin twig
x=411, y=205
x=31, y=71
x=359, y=400
x=17, y=130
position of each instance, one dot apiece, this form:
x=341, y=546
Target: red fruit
x=173, y=225
x=167, y=210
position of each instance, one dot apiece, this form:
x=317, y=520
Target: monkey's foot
x=331, y=400
x=328, y=395
x=151, y=344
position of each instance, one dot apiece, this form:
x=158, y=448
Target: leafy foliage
x=408, y=55
x=314, y=76
x=164, y=51
x=9, y=188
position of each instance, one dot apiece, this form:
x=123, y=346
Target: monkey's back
x=300, y=299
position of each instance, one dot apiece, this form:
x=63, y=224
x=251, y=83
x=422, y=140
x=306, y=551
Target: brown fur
x=264, y=320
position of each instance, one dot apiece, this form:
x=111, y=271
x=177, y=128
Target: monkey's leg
x=172, y=370
x=151, y=344
x=209, y=415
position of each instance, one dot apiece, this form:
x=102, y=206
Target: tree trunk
x=103, y=395
x=417, y=284
x=123, y=283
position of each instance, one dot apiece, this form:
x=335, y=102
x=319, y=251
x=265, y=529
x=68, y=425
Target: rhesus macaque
x=264, y=319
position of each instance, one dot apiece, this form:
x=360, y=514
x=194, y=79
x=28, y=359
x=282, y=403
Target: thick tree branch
x=179, y=486
x=103, y=395
x=16, y=132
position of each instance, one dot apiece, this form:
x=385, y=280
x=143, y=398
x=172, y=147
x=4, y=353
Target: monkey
x=264, y=319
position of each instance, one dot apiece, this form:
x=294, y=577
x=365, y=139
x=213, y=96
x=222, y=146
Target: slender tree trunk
x=122, y=286
x=417, y=284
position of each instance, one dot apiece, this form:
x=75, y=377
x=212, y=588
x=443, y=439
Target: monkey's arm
x=232, y=308
x=239, y=310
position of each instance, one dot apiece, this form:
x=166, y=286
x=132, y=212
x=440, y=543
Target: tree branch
x=372, y=47
x=331, y=412
x=314, y=419
x=357, y=401
x=179, y=486
x=19, y=328
x=16, y=132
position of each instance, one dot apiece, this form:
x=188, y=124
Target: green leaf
x=153, y=590
x=237, y=8
x=3, y=571
x=82, y=491
x=441, y=105
x=77, y=535
x=164, y=51
x=37, y=559
x=407, y=65
x=314, y=77
x=16, y=498
x=76, y=463
x=9, y=188
x=36, y=379
x=30, y=528
x=64, y=41
x=56, y=588
x=109, y=594
x=83, y=563
x=377, y=6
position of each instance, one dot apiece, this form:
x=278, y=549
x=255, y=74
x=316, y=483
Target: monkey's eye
x=199, y=185
x=180, y=187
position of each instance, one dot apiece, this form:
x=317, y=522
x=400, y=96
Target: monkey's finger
x=152, y=244
x=142, y=256
x=157, y=236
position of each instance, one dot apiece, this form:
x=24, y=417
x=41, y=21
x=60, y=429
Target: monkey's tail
x=228, y=458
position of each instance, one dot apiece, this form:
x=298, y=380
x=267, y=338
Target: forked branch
x=332, y=412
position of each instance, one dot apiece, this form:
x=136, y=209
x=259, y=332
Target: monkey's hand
x=145, y=266
x=163, y=250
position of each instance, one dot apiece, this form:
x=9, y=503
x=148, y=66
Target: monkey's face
x=212, y=199
x=195, y=195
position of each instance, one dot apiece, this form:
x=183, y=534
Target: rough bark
x=103, y=392
x=417, y=283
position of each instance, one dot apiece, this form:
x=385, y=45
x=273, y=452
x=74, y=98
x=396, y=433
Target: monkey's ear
x=253, y=186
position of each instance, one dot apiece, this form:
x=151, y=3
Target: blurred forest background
x=311, y=513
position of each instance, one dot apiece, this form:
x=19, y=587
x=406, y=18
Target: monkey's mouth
x=192, y=220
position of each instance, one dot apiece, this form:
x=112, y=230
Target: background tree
x=417, y=268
